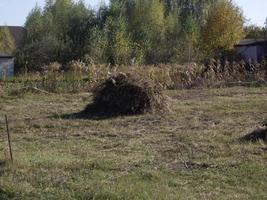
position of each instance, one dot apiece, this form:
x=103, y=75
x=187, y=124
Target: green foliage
x=95, y=46
x=118, y=47
x=57, y=33
x=255, y=32
x=190, y=36
x=7, y=43
x=127, y=32
x=147, y=26
x=34, y=25
x=198, y=9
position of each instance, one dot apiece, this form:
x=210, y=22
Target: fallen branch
x=29, y=89
x=39, y=90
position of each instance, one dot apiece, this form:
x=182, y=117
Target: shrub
x=76, y=66
x=53, y=67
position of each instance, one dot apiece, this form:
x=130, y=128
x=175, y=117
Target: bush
x=76, y=66
x=52, y=67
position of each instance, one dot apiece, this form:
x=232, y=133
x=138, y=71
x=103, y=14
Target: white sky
x=14, y=12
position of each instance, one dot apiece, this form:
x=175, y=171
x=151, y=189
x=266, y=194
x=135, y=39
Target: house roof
x=18, y=33
x=251, y=42
x=5, y=56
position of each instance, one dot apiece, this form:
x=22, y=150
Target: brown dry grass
x=191, y=153
x=81, y=78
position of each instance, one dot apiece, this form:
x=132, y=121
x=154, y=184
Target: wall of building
x=248, y=53
x=6, y=67
x=260, y=52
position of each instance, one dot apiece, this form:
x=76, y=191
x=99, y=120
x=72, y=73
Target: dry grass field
x=193, y=152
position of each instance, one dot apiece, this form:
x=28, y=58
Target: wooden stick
x=34, y=89
x=8, y=138
x=39, y=90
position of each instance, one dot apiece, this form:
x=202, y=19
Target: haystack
x=127, y=94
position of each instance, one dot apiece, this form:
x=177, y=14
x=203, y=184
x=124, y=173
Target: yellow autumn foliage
x=224, y=27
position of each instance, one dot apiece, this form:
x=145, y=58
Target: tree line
x=130, y=32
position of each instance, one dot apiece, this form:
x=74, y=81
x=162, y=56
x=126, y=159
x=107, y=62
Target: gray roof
x=251, y=42
x=5, y=56
x=18, y=33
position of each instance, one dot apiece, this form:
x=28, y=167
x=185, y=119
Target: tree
x=146, y=23
x=198, y=9
x=224, y=28
x=38, y=53
x=95, y=46
x=7, y=43
x=34, y=24
x=255, y=32
x=172, y=40
x=146, y=31
x=189, y=16
x=79, y=26
x=118, y=50
x=58, y=32
x=190, y=35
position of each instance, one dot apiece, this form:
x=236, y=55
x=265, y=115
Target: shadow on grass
x=2, y=163
x=93, y=112
x=259, y=134
x=2, y=167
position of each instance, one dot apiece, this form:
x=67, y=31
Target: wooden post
x=8, y=138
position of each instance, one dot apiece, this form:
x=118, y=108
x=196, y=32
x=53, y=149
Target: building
x=6, y=66
x=252, y=50
x=18, y=33
x=7, y=61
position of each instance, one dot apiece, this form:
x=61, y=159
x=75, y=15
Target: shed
x=6, y=66
x=252, y=50
x=7, y=61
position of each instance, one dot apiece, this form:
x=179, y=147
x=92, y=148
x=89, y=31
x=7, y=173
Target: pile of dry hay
x=127, y=94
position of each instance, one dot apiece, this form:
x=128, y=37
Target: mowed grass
x=191, y=153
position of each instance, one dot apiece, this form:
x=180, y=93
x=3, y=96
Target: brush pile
x=126, y=94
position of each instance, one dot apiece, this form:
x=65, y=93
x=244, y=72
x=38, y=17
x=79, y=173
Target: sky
x=14, y=12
